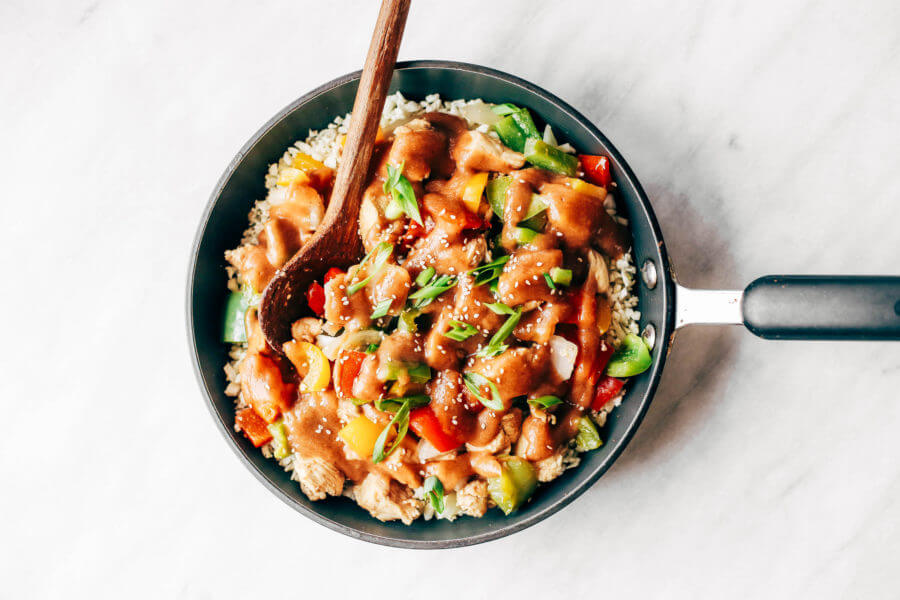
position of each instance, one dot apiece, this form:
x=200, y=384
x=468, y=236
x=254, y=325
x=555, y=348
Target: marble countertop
x=765, y=134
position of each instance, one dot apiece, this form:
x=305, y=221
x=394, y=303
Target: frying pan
x=784, y=307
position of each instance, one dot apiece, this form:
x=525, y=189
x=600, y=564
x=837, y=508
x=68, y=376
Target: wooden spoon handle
x=367, y=109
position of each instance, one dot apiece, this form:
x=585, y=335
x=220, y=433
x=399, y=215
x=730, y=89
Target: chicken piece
x=448, y=402
x=417, y=146
x=256, y=341
x=252, y=265
x=402, y=464
x=447, y=255
x=539, y=325
x=510, y=428
x=485, y=465
x=551, y=467
x=351, y=312
x=306, y=329
x=522, y=279
x=393, y=284
x=347, y=410
x=262, y=387
x=318, y=478
x=374, y=227
x=401, y=347
x=516, y=372
x=387, y=500
x=580, y=219
x=536, y=442
x=453, y=472
x=472, y=498
x=476, y=151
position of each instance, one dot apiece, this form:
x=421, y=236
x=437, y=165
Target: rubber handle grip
x=823, y=307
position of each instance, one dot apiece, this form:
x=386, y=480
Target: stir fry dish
x=475, y=350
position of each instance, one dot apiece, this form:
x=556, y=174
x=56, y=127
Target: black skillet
x=781, y=307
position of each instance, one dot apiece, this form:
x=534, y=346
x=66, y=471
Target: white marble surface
x=766, y=135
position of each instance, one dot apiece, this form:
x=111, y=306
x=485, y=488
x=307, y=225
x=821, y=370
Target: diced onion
x=562, y=355
x=330, y=345
x=479, y=112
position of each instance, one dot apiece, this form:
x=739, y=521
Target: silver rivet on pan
x=648, y=274
x=649, y=335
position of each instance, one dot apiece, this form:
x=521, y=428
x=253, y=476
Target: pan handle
x=801, y=307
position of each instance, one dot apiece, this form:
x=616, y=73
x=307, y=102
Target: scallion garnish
x=474, y=381
x=371, y=348
x=545, y=401
x=432, y=290
x=402, y=192
x=549, y=281
x=500, y=308
x=496, y=345
x=401, y=418
x=460, y=331
x=434, y=491
x=381, y=309
x=425, y=276
x=381, y=252
x=490, y=271
x=394, y=404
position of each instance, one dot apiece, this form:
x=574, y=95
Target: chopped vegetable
x=360, y=434
x=500, y=308
x=311, y=363
x=523, y=235
x=346, y=369
x=516, y=483
x=371, y=348
x=563, y=355
x=545, y=401
x=392, y=405
x=432, y=290
x=426, y=425
x=510, y=134
x=402, y=193
x=583, y=187
x=332, y=273
x=425, y=276
x=460, y=331
x=434, y=491
x=604, y=314
x=587, y=438
x=235, y=329
x=536, y=215
x=407, y=321
x=489, y=271
x=596, y=169
x=381, y=309
x=473, y=191
x=305, y=162
x=475, y=381
x=607, y=389
x=382, y=253
x=496, y=346
x=280, y=447
x=545, y=156
x=395, y=369
x=401, y=418
x=496, y=193
x=631, y=358
x=315, y=298
x=254, y=427
x=561, y=276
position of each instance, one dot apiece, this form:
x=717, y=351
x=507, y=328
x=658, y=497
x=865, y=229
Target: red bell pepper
x=347, y=369
x=315, y=297
x=254, y=426
x=473, y=221
x=607, y=389
x=332, y=273
x=596, y=169
x=426, y=425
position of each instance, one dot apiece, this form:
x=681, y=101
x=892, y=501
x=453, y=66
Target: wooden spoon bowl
x=336, y=242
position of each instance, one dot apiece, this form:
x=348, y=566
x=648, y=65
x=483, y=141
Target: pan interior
x=226, y=217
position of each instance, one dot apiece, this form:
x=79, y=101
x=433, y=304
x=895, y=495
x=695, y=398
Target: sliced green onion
x=432, y=290
x=545, y=401
x=394, y=404
x=417, y=372
x=549, y=281
x=401, y=418
x=523, y=235
x=434, y=491
x=500, y=308
x=359, y=401
x=561, y=276
x=381, y=309
x=496, y=345
x=407, y=321
x=371, y=348
x=474, y=381
x=460, y=331
x=489, y=271
x=381, y=252
x=393, y=210
x=424, y=277
x=402, y=192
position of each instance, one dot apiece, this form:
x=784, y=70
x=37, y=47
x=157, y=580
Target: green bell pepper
x=516, y=127
x=545, y=156
x=523, y=235
x=536, y=216
x=587, y=438
x=496, y=193
x=631, y=358
x=280, y=446
x=234, y=330
x=516, y=483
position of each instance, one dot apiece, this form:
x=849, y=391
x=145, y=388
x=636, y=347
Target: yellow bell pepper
x=311, y=363
x=379, y=137
x=473, y=191
x=586, y=188
x=288, y=175
x=305, y=162
x=361, y=435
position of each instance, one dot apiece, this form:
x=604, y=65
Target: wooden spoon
x=336, y=242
